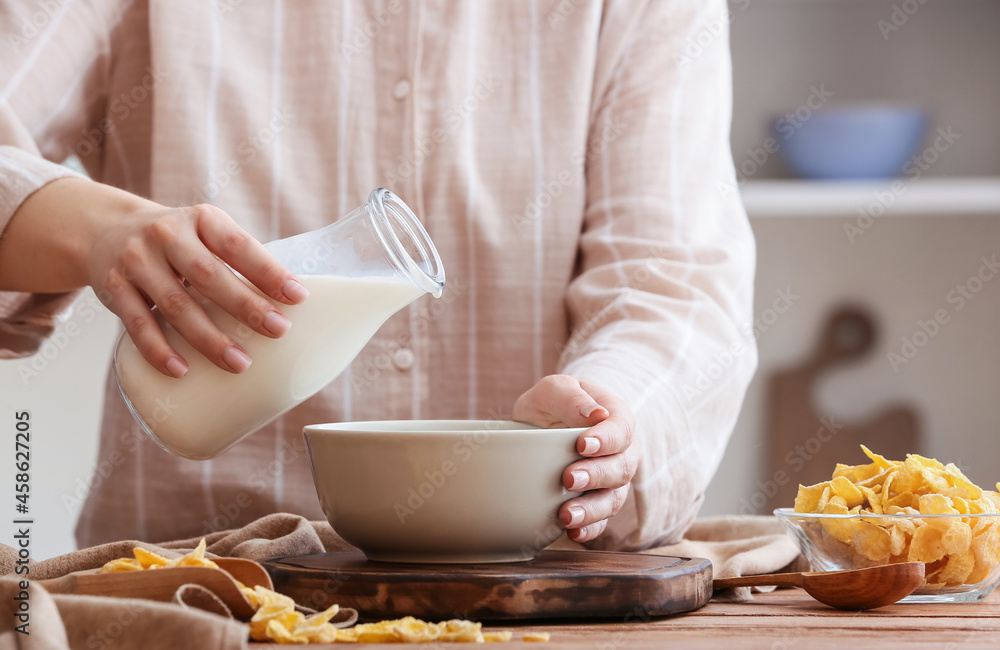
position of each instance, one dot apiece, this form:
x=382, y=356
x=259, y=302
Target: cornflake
x=277, y=620
x=957, y=548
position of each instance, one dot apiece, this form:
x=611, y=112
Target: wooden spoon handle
x=766, y=580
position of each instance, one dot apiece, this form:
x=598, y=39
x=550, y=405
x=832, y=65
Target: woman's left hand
x=610, y=457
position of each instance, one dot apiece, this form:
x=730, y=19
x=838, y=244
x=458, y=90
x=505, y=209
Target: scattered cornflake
x=276, y=618
x=413, y=630
x=149, y=560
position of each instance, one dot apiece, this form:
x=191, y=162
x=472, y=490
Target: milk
x=202, y=414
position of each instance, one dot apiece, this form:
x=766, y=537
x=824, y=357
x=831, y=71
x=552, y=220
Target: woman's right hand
x=136, y=254
x=144, y=258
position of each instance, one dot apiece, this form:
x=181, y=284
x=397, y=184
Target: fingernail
x=236, y=358
x=576, y=512
x=591, y=445
x=176, y=367
x=276, y=323
x=590, y=409
x=580, y=479
x=295, y=291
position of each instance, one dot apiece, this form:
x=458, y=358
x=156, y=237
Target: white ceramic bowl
x=452, y=491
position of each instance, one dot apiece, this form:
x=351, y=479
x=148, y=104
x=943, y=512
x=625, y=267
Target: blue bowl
x=851, y=142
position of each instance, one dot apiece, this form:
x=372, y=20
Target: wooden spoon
x=855, y=589
x=162, y=584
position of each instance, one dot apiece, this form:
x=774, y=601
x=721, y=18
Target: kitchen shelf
x=926, y=196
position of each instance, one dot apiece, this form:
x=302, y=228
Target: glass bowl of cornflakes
x=917, y=510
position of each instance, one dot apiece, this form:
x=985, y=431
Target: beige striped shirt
x=569, y=158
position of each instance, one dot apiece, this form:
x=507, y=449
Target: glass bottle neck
x=407, y=245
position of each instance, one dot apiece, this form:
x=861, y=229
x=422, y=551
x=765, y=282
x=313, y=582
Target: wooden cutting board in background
x=803, y=445
x=556, y=584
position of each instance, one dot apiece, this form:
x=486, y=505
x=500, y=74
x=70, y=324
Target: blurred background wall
x=938, y=55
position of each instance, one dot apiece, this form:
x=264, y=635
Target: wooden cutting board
x=804, y=443
x=556, y=584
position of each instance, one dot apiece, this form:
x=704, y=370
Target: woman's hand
x=611, y=460
x=143, y=260
x=136, y=254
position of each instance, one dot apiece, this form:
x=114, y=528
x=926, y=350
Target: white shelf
x=898, y=197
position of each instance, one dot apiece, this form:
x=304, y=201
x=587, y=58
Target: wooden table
x=782, y=620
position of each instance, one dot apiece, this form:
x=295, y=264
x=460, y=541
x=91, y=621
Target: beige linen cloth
x=735, y=545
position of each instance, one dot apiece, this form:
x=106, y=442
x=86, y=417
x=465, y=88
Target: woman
x=565, y=159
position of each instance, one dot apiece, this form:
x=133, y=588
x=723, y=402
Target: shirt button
x=404, y=358
x=401, y=89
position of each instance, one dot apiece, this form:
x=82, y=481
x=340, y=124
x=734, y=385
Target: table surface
x=781, y=620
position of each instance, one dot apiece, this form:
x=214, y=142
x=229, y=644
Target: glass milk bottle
x=359, y=271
